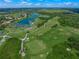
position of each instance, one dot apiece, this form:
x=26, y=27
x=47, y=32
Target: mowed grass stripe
x=46, y=27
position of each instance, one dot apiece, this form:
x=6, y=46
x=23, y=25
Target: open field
x=54, y=34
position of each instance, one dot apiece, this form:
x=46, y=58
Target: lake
x=27, y=21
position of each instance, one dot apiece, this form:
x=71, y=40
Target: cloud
x=40, y=3
x=37, y=4
x=7, y=1
x=25, y=3
x=68, y=3
x=71, y=4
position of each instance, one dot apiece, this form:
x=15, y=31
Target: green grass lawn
x=60, y=52
x=10, y=49
x=51, y=40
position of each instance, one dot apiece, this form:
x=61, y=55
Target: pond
x=27, y=21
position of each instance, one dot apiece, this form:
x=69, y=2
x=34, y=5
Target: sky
x=38, y=3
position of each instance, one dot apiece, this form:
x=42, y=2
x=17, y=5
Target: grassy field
x=9, y=50
x=54, y=38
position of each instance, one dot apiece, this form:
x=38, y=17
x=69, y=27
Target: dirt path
x=22, y=52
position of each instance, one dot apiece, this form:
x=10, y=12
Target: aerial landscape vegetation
x=27, y=33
